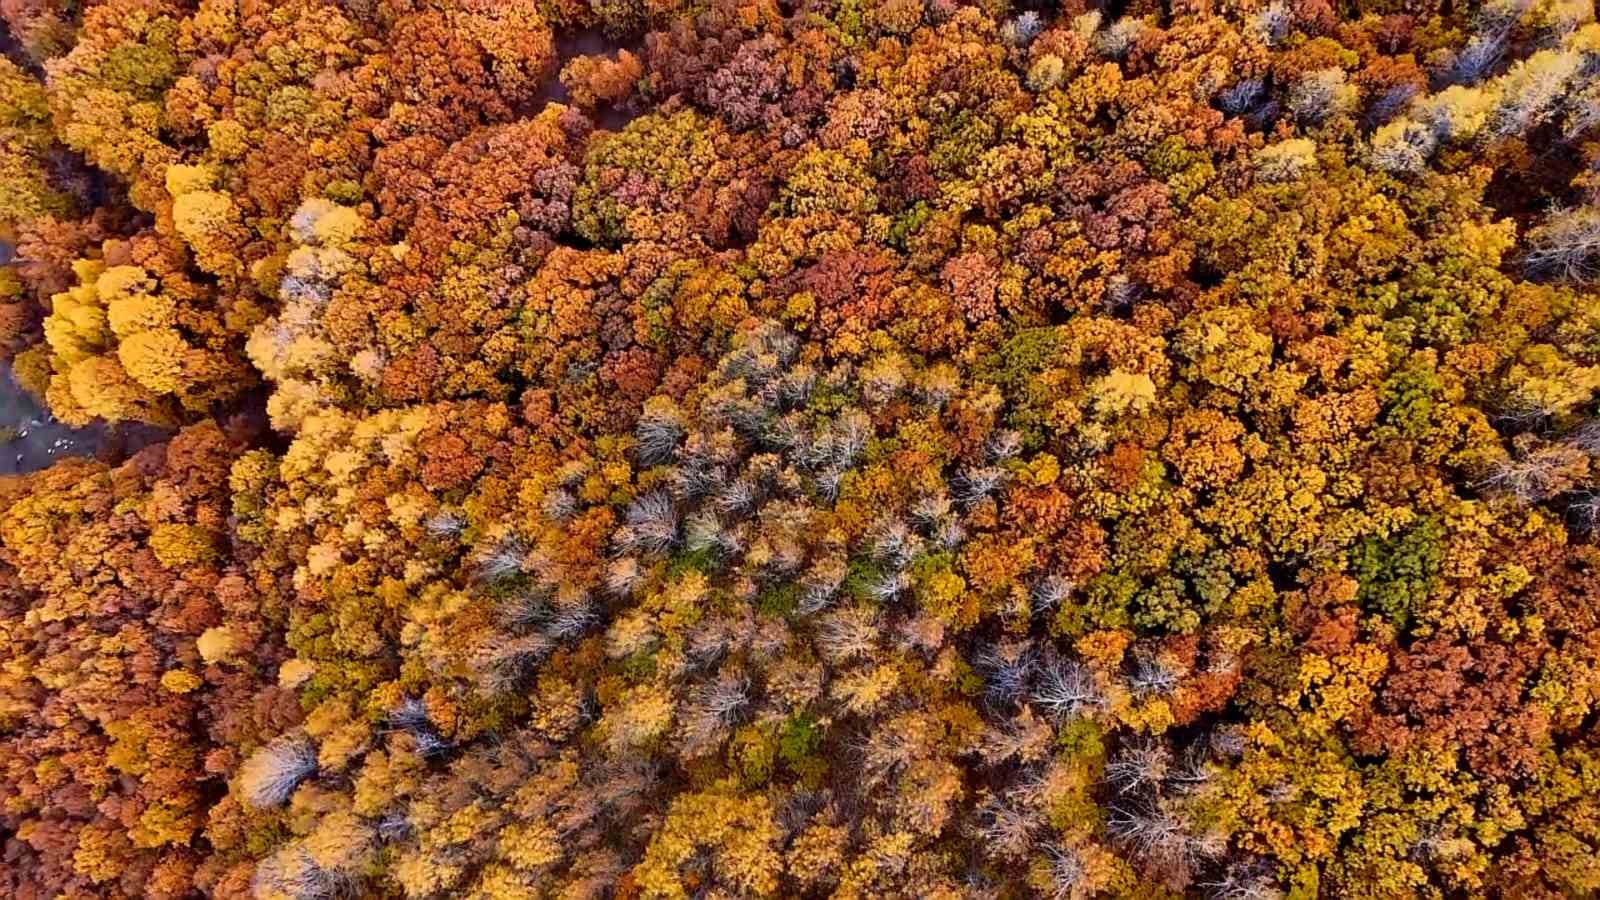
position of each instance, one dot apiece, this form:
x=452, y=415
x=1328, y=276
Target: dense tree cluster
x=820, y=448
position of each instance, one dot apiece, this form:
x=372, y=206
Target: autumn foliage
x=819, y=449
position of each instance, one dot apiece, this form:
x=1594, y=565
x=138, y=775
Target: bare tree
x=889, y=586
x=1404, y=146
x=1535, y=477
x=821, y=584
x=797, y=385
x=1242, y=96
x=850, y=435
x=657, y=435
x=1582, y=112
x=891, y=542
x=827, y=483
x=291, y=872
x=1162, y=841
x=410, y=716
x=713, y=708
x=1066, y=871
x=1120, y=293
x=1006, y=831
x=1586, y=437
x=1007, y=671
x=1476, y=59
x=1567, y=246
x=1066, y=689
x=1389, y=104
x=1048, y=593
x=1191, y=773
x=410, y=713
x=1117, y=39
x=705, y=531
x=525, y=609
x=569, y=620
x=1025, y=737
x=738, y=497
x=1585, y=511
x=950, y=533
x=1139, y=767
x=1251, y=879
x=272, y=773
x=786, y=433
x=444, y=524
x=1318, y=96
x=1229, y=741
x=652, y=523
x=1002, y=445
x=501, y=662
x=1273, y=22
x=883, y=753
x=693, y=478
x=848, y=634
x=1151, y=676
x=1529, y=94
x=559, y=505
x=973, y=484
x=1021, y=31
x=502, y=561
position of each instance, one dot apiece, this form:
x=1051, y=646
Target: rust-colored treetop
x=817, y=449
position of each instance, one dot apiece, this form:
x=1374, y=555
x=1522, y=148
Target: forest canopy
x=804, y=448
